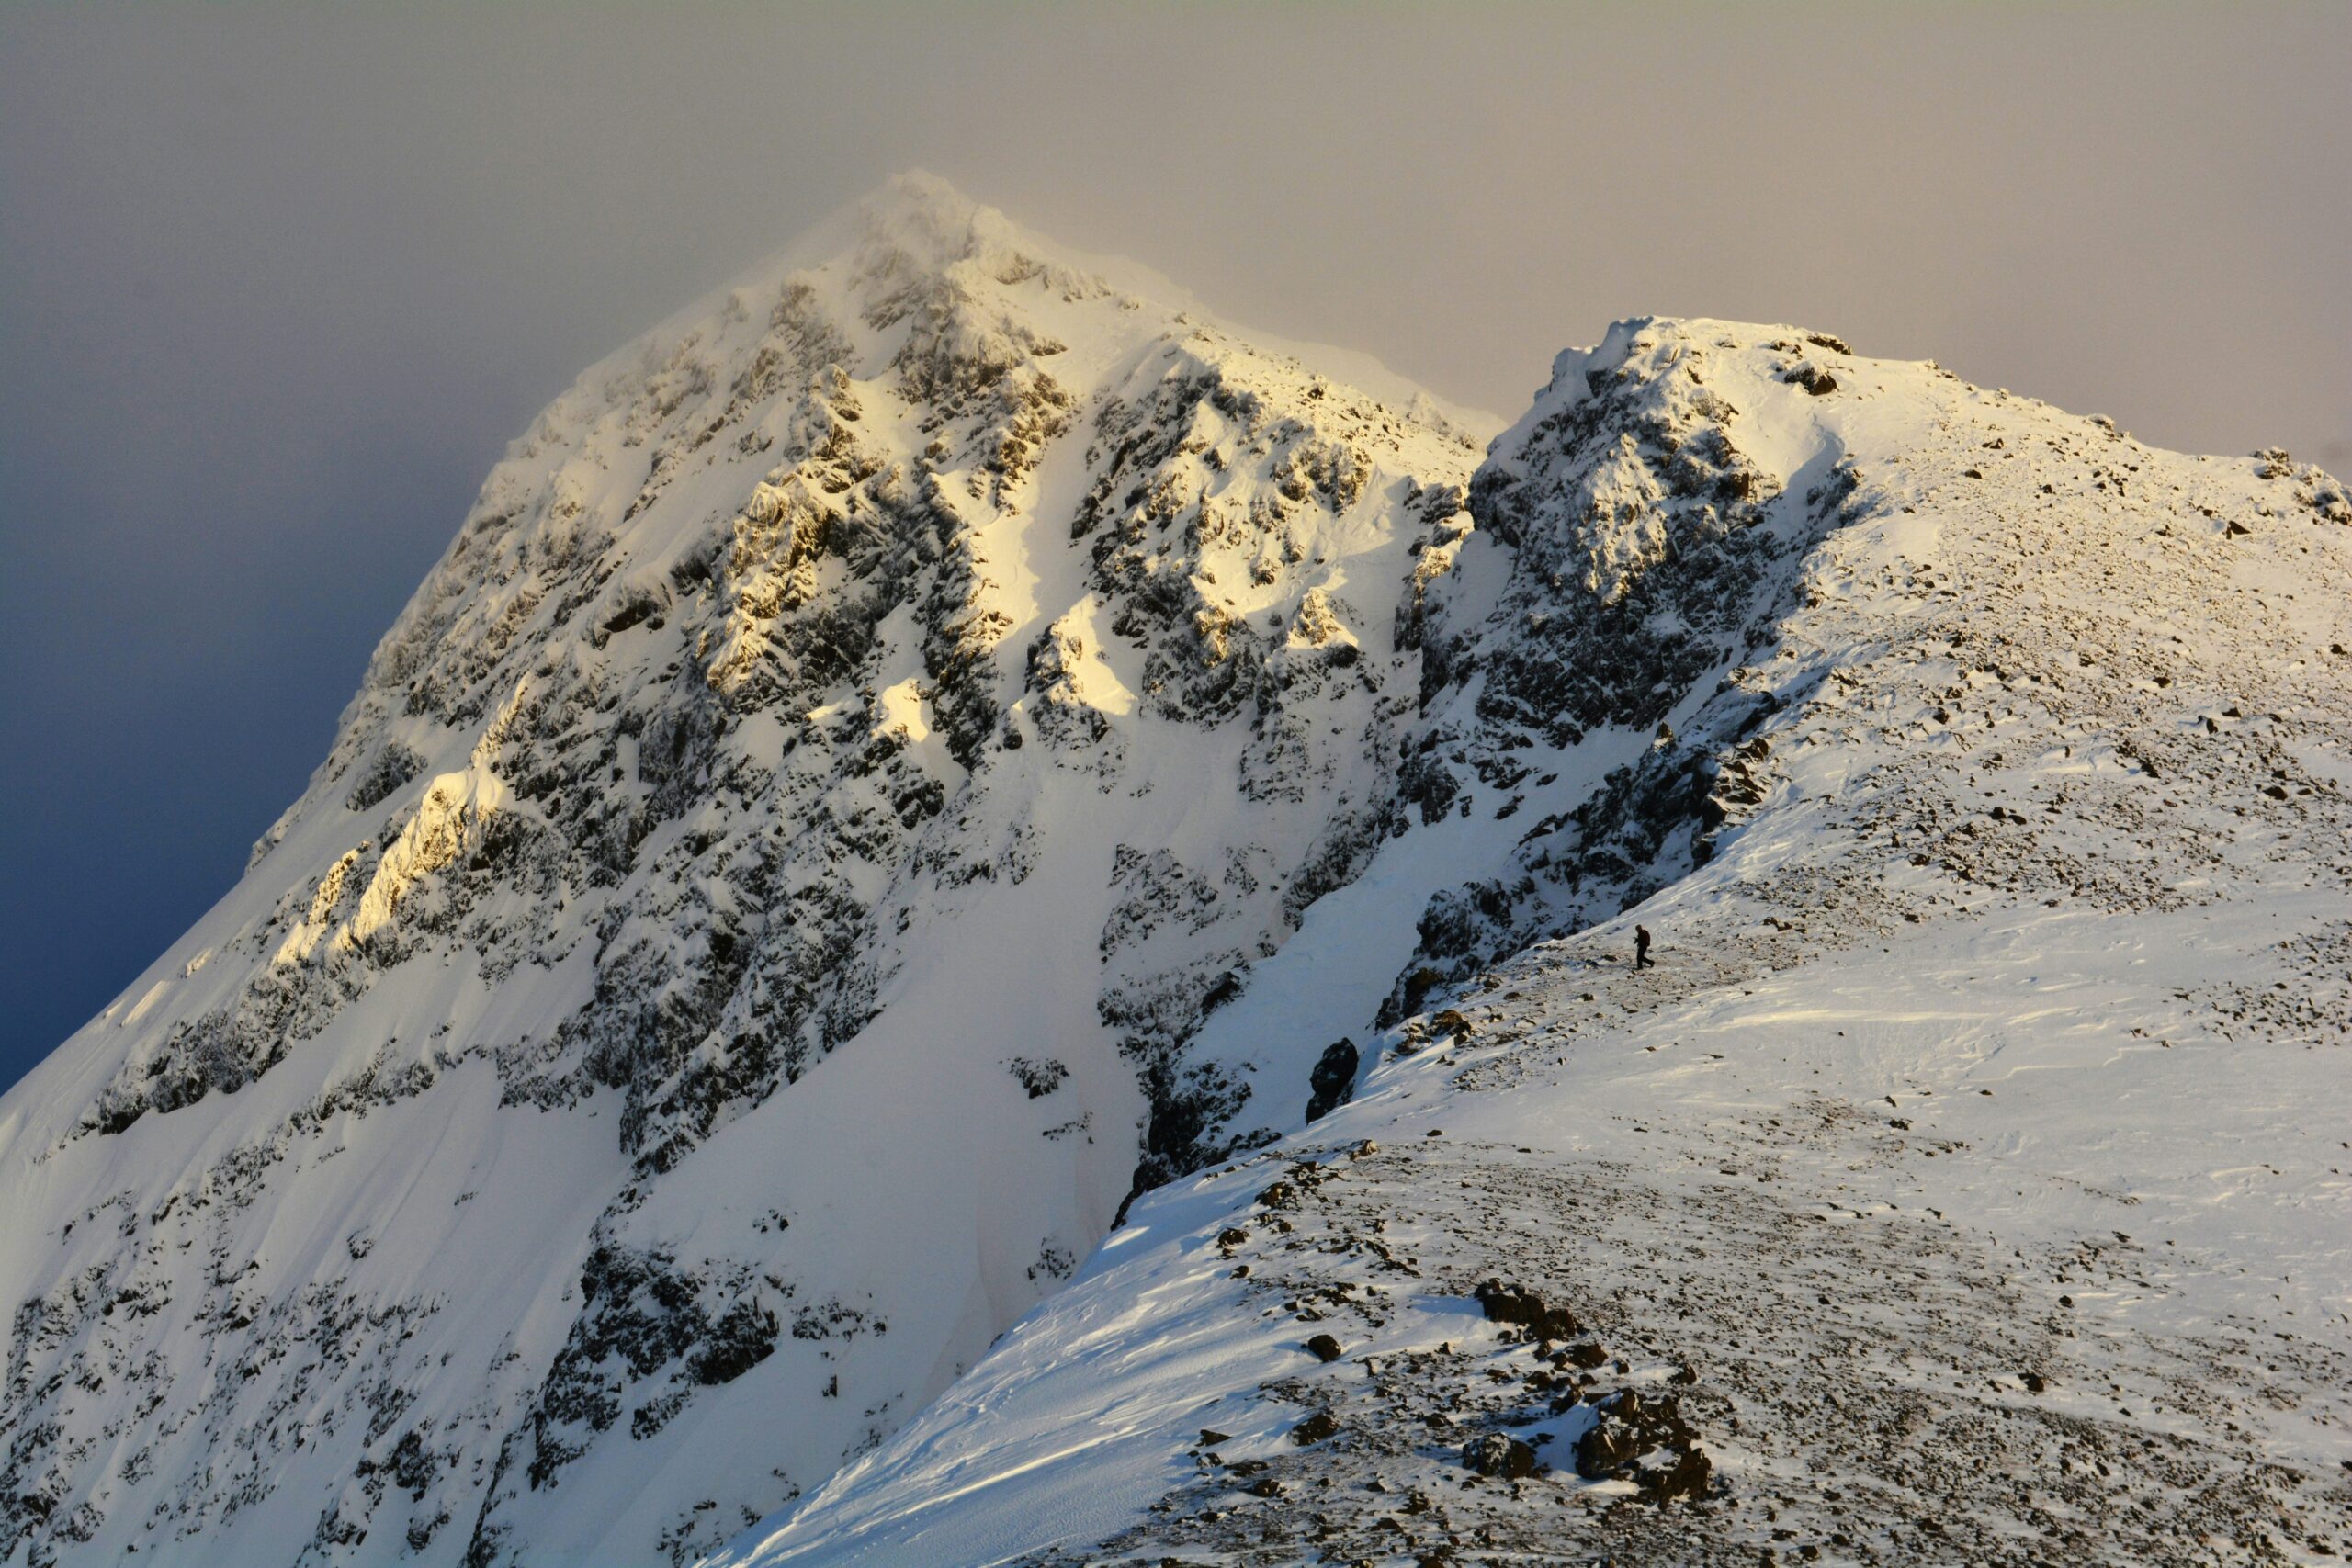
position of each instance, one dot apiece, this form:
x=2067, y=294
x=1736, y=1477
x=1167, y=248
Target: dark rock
x=1647, y=1442
x=1323, y=1347
x=1315, y=1428
x=1226, y=986
x=1333, y=1080
x=393, y=766
x=1512, y=1303
x=1499, y=1455
x=1039, y=1078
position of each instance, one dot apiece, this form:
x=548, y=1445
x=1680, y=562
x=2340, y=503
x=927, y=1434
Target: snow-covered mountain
x=755, y=927
x=1967, y=1182
x=943, y=742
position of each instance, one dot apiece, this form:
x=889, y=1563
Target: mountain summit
x=943, y=747
x=752, y=931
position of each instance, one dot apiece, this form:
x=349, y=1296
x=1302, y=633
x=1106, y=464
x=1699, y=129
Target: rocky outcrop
x=929, y=747
x=1979, y=772
x=926, y=621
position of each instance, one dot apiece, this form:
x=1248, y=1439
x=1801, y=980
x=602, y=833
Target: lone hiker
x=1642, y=948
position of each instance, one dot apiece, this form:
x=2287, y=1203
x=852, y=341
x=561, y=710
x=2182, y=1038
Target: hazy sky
x=277, y=285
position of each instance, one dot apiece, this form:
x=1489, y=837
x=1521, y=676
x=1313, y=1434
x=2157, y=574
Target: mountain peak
x=909, y=691
x=930, y=221
x=912, y=189
x=940, y=740
x=918, y=225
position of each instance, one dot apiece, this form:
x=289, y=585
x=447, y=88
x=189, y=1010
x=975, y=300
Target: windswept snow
x=943, y=743
x=747, y=938
x=1966, y=1182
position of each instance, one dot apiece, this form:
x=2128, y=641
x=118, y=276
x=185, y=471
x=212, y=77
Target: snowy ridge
x=942, y=743
x=1965, y=1184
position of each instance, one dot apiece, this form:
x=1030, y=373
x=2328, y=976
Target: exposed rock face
x=1333, y=1080
x=931, y=652
x=932, y=744
x=1961, y=1183
x=1650, y=554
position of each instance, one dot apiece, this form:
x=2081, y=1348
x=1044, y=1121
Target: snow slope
x=942, y=743
x=1967, y=1182
x=751, y=933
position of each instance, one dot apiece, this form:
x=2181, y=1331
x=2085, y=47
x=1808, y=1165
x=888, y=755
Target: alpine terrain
x=976, y=920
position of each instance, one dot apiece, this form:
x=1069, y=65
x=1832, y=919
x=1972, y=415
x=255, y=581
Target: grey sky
x=276, y=285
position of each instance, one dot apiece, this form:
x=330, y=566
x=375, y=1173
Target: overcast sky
x=276, y=286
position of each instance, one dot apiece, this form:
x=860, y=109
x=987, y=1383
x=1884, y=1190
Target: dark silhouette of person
x=1642, y=948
